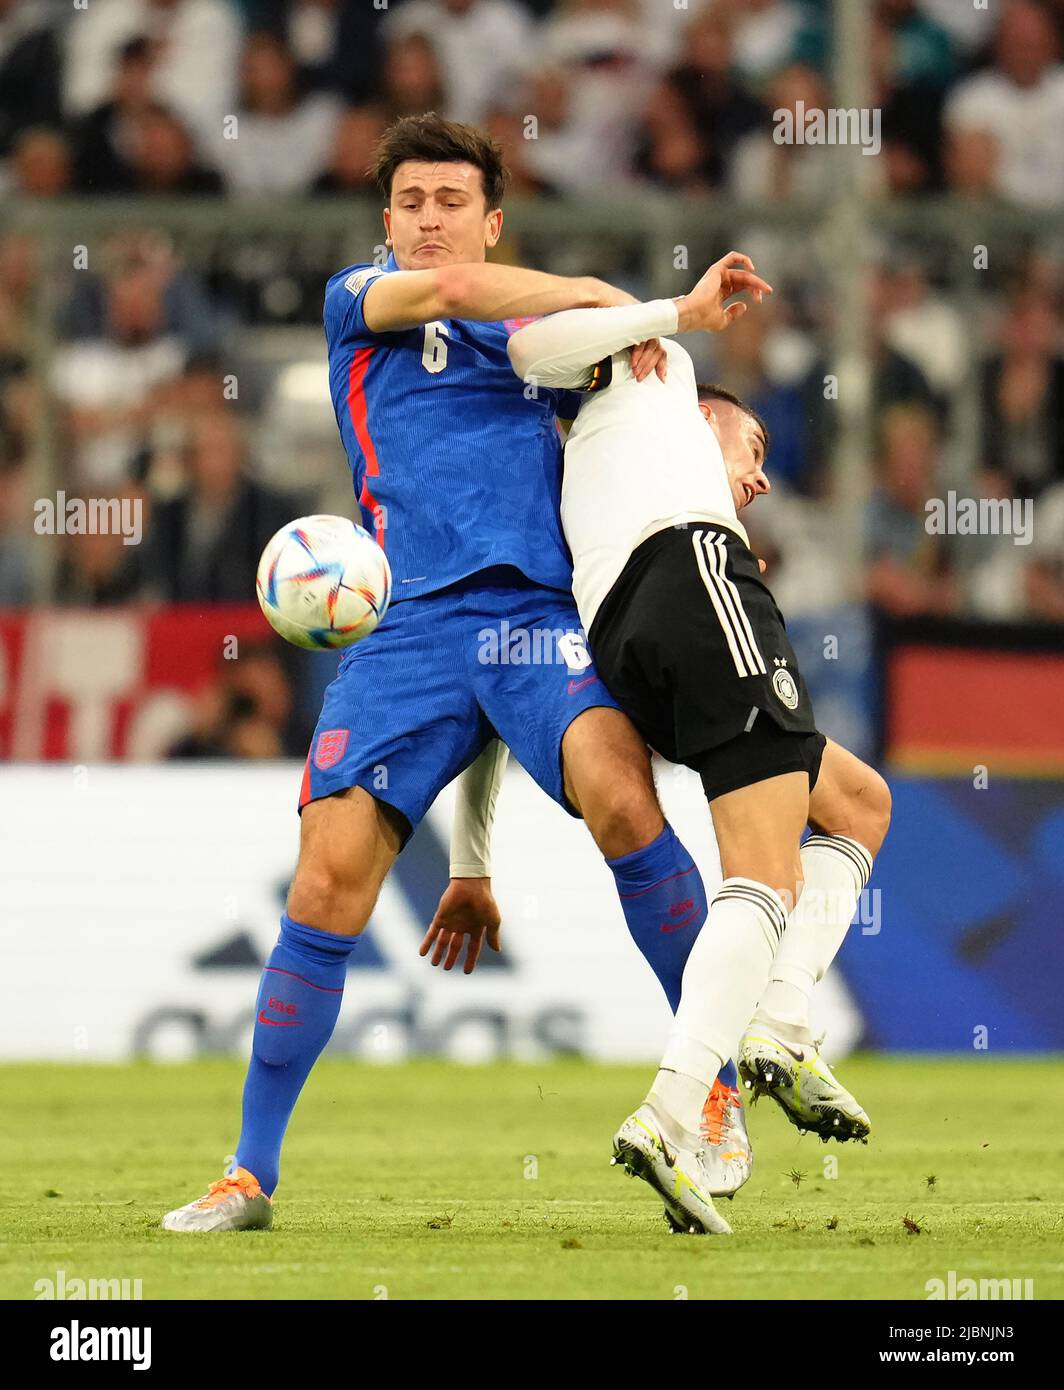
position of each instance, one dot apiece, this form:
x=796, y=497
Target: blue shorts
x=414, y=704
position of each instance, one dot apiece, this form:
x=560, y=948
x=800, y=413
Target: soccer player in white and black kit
x=691, y=643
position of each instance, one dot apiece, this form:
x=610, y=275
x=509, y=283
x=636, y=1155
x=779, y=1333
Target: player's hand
x=649, y=357
x=705, y=310
x=762, y=566
x=467, y=912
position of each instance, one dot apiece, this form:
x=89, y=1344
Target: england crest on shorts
x=331, y=746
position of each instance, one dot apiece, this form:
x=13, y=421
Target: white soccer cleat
x=728, y=1156
x=785, y=1063
x=233, y=1203
x=677, y=1173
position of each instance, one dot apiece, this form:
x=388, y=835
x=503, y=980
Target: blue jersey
x=455, y=469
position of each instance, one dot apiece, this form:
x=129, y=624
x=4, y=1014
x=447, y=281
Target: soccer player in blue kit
x=457, y=468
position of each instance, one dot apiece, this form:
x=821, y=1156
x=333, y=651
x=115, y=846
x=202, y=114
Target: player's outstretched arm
x=562, y=350
x=468, y=909
x=481, y=292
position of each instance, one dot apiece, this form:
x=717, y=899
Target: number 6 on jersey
x=434, y=357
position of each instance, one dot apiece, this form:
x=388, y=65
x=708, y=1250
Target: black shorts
x=692, y=646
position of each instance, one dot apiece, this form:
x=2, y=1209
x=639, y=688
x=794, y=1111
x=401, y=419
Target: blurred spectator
x=896, y=381
x=670, y=153
x=162, y=160
x=20, y=397
x=969, y=26
x=246, y=713
x=101, y=568
x=199, y=388
x=599, y=32
x=206, y=542
x=336, y=43
x=994, y=573
x=912, y=62
x=896, y=378
x=482, y=45
x=18, y=268
x=1044, y=578
x=921, y=324
x=14, y=532
x=765, y=170
x=910, y=571
x=562, y=154
x=598, y=47
x=411, y=83
x=104, y=137
x=700, y=100
x=1019, y=104
x=782, y=404
x=29, y=69
x=106, y=382
x=41, y=163
x=663, y=29
x=282, y=138
x=354, y=141
x=196, y=45
x=970, y=160
x=920, y=52
x=771, y=34
x=1023, y=396
x=507, y=129
x=188, y=313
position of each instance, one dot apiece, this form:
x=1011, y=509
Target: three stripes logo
x=773, y=915
x=711, y=556
x=849, y=849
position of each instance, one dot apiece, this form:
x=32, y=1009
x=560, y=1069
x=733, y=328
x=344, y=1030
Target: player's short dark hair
x=434, y=140
x=711, y=391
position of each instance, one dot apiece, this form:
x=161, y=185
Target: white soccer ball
x=323, y=582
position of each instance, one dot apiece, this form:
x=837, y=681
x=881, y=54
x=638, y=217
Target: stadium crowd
x=133, y=96
x=244, y=99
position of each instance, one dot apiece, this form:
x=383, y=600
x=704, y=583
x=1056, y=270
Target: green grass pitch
x=431, y=1180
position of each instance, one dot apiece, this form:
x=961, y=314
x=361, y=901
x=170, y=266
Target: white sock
x=724, y=976
x=835, y=869
x=679, y=1101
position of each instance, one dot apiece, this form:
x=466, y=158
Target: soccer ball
x=323, y=582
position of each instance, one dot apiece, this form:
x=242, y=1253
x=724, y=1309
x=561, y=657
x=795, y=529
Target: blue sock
x=295, y=1013
x=664, y=903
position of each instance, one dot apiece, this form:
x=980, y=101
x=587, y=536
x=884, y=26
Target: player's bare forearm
x=480, y=292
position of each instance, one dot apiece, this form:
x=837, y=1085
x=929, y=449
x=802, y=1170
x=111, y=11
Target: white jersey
x=640, y=457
